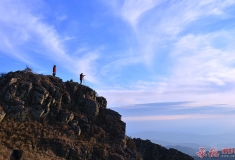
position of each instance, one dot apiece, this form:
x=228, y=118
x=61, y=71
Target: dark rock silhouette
x=45, y=116
x=150, y=150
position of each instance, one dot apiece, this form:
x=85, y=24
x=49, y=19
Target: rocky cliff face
x=52, y=119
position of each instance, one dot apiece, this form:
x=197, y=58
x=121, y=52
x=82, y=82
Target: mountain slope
x=51, y=119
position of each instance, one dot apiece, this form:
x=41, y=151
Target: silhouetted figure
x=81, y=77
x=54, y=70
x=16, y=155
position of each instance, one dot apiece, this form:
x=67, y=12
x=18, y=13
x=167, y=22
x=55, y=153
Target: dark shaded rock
x=85, y=120
x=40, y=94
x=37, y=113
x=102, y=101
x=3, y=80
x=113, y=114
x=73, y=123
x=57, y=95
x=11, y=92
x=55, y=108
x=87, y=127
x=151, y=151
x=57, y=147
x=73, y=154
x=66, y=98
x=48, y=102
x=24, y=90
x=66, y=117
x=18, y=112
x=15, y=101
x=91, y=107
x=46, y=85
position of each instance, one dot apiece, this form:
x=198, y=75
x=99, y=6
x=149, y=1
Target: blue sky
x=163, y=64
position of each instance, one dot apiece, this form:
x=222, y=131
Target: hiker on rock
x=16, y=155
x=54, y=70
x=81, y=77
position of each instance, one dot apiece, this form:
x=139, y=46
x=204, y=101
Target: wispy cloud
x=173, y=92
x=62, y=17
x=166, y=21
x=68, y=38
x=199, y=63
x=20, y=27
x=132, y=10
x=176, y=117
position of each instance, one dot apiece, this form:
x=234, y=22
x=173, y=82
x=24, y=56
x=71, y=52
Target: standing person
x=81, y=77
x=54, y=70
x=16, y=155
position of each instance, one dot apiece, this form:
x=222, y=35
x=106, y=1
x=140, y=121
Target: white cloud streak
x=198, y=98
x=198, y=61
x=132, y=10
x=159, y=22
x=201, y=64
x=19, y=27
x=176, y=117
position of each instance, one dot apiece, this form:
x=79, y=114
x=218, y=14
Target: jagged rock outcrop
x=42, y=114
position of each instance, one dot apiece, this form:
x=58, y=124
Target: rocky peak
x=45, y=116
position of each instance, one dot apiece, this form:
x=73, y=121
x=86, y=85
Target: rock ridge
x=53, y=119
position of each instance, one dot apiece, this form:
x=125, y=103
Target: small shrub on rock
x=27, y=69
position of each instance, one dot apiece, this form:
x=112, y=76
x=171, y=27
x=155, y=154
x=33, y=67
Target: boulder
x=102, y=101
x=91, y=108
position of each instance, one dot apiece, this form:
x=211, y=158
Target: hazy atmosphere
x=164, y=65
